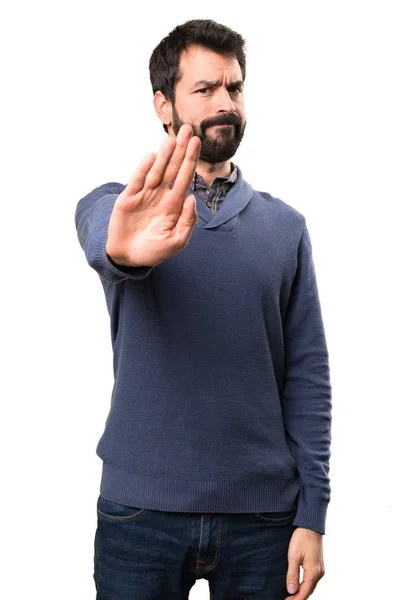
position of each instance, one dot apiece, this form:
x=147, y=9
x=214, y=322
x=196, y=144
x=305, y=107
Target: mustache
x=231, y=119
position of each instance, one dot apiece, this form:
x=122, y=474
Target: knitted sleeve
x=306, y=397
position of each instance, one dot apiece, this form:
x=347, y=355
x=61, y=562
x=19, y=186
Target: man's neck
x=210, y=171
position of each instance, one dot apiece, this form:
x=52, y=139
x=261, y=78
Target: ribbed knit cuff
x=311, y=512
x=133, y=272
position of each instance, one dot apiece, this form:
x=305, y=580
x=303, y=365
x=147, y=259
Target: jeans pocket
x=277, y=518
x=112, y=511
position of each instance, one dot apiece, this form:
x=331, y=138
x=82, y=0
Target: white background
x=322, y=104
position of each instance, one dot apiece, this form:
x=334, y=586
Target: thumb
x=292, y=577
x=188, y=217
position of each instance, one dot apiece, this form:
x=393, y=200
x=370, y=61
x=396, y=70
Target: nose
x=224, y=102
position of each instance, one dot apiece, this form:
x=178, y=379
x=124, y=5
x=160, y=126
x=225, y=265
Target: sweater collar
x=235, y=201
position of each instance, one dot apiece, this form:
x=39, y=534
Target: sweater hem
x=220, y=495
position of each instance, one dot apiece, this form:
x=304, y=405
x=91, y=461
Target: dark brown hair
x=164, y=61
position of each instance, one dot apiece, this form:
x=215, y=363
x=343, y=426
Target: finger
x=306, y=589
x=187, y=219
x=136, y=182
x=292, y=577
x=188, y=167
x=155, y=175
x=182, y=140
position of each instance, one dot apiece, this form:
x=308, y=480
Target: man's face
x=210, y=93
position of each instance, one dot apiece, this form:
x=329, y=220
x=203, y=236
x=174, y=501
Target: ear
x=163, y=108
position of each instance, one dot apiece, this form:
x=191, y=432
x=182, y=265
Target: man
x=216, y=448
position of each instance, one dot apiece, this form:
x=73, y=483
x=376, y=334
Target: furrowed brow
x=205, y=83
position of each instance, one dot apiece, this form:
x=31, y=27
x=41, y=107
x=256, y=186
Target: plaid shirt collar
x=199, y=183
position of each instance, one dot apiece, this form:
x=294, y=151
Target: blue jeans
x=143, y=554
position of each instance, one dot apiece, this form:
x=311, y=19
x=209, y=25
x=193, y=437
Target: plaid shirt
x=214, y=196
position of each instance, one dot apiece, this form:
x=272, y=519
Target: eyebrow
x=205, y=83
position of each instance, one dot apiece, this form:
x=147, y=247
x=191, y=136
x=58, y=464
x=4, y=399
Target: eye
x=202, y=90
x=236, y=89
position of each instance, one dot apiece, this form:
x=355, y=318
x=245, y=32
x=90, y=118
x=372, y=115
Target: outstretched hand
x=151, y=219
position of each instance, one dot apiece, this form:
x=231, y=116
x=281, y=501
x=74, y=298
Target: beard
x=222, y=144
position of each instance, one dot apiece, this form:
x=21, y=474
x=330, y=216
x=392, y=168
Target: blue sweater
x=222, y=398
